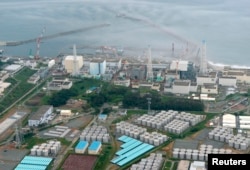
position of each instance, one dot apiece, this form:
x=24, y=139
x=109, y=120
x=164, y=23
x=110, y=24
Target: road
x=59, y=158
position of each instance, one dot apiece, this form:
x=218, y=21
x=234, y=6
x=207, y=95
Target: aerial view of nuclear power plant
x=119, y=107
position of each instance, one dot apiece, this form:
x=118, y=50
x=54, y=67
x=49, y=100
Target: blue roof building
x=102, y=117
x=95, y=147
x=81, y=146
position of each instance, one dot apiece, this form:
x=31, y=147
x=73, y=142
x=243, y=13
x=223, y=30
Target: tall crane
x=38, y=42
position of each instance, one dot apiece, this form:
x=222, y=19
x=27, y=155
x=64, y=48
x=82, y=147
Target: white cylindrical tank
x=175, y=154
x=182, y=155
x=216, y=136
x=237, y=145
x=45, y=152
x=188, y=155
x=222, y=138
x=228, y=151
x=39, y=152
x=194, y=156
x=33, y=152
x=201, y=156
x=231, y=143
x=243, y=146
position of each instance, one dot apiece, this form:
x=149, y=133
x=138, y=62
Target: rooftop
x=40, y=112
x=95, y=145
x=82, y=144
x=181, y=83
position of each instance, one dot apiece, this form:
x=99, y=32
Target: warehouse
x=81, y=146
x=229, y=120
x=95, y=147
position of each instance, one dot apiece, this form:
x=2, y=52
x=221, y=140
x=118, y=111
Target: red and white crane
x=38, y=42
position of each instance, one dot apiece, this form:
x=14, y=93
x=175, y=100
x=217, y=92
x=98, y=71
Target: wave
x=221, y=65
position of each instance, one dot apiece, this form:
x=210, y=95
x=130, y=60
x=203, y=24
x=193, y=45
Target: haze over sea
x=224, y=24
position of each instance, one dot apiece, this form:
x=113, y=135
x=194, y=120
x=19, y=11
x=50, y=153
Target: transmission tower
x=18, y=136
x=75, y=64
x=149, y=66
x=203, y=62
x=149, y=103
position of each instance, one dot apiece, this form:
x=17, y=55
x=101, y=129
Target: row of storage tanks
x=226, y=135
x=176, y=126
x=168, y=120
x=153, y=138
x=154, y=161
x=201, y=154
x=134, y=131
x=94, y=133
x=128, y=129
x=46, y=149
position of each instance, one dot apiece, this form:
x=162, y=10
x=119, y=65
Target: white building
x=4, y=75
x=97, y=67
x=114, y=63
x=13, y=68
x=34, y=79
x=197, y=165
x=181, y=87
x=179, y=65
x=51, y=63
x=228, y=81
x=209, y=89
x=3, y=86
x=69, y=63
x=81, y=147
x=95, y=147
x=66, y=113
x=241, y=75
x=244, y=122
x=40, y=116
x=122, y=82
x=229, y=120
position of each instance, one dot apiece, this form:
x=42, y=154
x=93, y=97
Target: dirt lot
x=76, y=162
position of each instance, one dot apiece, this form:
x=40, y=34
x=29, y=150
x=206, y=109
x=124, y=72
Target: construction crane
x=38, y=42
x=16, y=43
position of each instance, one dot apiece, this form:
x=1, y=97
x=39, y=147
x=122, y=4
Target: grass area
x=104, y=157
x=175, y=166
x=19, y=88
x=31, y=140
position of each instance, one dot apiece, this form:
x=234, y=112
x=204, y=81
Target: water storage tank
x=33, y=152
x=201, y=156
x=222, y=151
x=222, y=138
x=210, y=135
x=231, y=143
x=216, y=136
x=228, y=151
x=188, y=155
x=237, y=145
x=45, y=152
x=39, y=152
x=194, y=156
x=209, y=146
x=182, y=155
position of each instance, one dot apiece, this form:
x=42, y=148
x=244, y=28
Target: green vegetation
x=19, y=87
x=167, y=165
x=175, y=166
x=31, y=140
x=104, y=157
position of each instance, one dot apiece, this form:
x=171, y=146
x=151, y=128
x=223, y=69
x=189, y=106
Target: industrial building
x=180, y=87
x=241, y=75
x=229, y=120
x=95, y=148
x=197, y=165
x=58, y=132
x=51, y=63
x=122, y=82
x=244, y=122
x=102, y=117
x=130, y=149
x=97, y=67
x=13, y=68
x=3, y=75
x=138, y=72
x=59, y=84
x=34, y=162
x=40, y=116
x=208, y=88
x=179, y=65
x=3, y=86
x=73, y=63
x=228, y=81
x=211, y=78
x=34, y=78
x=66, y=113
x=81, y=147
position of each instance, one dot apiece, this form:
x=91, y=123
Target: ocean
x=224, y=24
